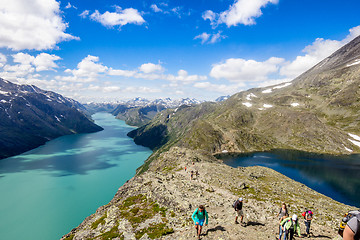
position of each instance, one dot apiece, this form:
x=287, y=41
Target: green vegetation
x=71, y=237
x=168, y=169
x=113, y=233
x=101, y=220
x=137, y=209
x=154, y=231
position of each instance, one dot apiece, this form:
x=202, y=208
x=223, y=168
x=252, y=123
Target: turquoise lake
x=51, y=189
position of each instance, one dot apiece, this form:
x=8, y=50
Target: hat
x=294, y=217
x=240, y=199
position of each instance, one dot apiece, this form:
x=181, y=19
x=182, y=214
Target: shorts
x=200, y=221
x=239, y=213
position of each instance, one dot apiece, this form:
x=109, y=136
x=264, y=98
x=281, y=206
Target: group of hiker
x=193, y=173
x=288, y=226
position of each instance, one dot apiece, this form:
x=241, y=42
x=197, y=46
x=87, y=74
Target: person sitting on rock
x=238, y=205
x=290, y=225
x=199, y=216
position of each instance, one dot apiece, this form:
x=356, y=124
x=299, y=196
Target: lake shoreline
x=77, y=173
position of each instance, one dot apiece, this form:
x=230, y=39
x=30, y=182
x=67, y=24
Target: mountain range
x=139, y=111
x=30, y=116
x=319, y=111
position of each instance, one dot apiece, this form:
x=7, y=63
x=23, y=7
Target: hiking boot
x=236, y=222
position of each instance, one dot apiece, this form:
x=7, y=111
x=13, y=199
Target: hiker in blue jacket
x=199, y=216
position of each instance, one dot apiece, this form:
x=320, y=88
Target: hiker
x=238, y=204
x=283, y=213
x=290, y=225
x=281, y=232
x=185, y=168
x=352, y=229
x=191, y=175
x=350, y=226
x=308, y=216
x=199, y=216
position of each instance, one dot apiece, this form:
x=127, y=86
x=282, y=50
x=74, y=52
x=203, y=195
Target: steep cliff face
x=30, y=116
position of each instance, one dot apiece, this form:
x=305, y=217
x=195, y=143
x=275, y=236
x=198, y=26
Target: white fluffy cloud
x=204, y=37
x=26, y=64
x=84, y=14
x=33, y=24
x=241, y=70
x=241, y=12
x=151, y=68
x=88, y=70
x=119, y=18
x=155, y=8
x=46, y=62
x=316, y=52
x=210, y=38
x=244, y=12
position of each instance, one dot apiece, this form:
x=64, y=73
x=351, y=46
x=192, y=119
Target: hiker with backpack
x=283, y=213
x=290, y=225
x=350, y=226
x=308, y=216
x=238, y=205
x=199, y=216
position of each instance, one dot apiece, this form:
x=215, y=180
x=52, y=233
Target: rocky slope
x=158, y=203
x=30, y=116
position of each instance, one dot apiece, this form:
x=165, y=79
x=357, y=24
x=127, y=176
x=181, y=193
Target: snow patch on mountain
x=267, y=106
x=249, y=96
x=348, y=149
x=267, y=90
x=295, y=104
x=357, y=61
x=356, y=137
x=282, y=86
x=357, y=143
x=247, y=104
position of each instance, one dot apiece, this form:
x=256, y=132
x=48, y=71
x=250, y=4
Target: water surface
x=51, y=189
x=335, y=176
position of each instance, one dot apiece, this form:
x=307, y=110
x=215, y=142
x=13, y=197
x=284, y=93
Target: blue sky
x=112, y=50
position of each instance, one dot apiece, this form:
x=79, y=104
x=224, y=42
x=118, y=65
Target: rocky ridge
x=158, y=203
